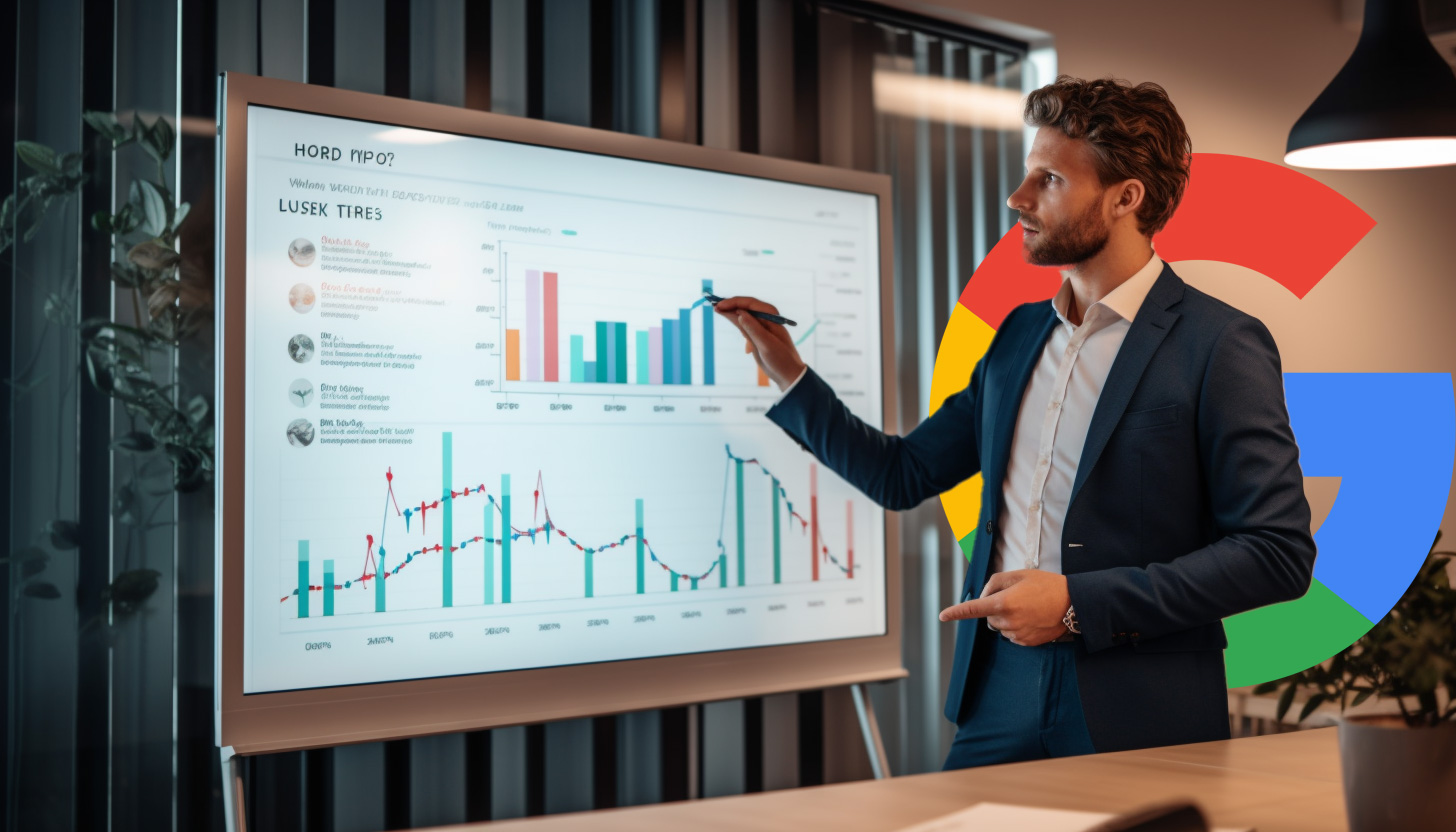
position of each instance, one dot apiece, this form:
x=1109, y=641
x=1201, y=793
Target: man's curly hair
x=1135, y=132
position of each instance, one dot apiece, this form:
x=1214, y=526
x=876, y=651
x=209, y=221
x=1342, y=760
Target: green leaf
x=131, y=589
x=153, y=206
x=41, y=589
x=134, y=442
x=1309, y=706
x=180, y=214
x=31, y=567
x=37, y=156
x=64, y=534
x=1361, y=697
x=1266, y=687
x=197, y=409
x=164, y=136
x=1285, y=700
x=101, y=221
x=106, y=124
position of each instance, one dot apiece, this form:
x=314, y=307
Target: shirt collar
x=1125, y=300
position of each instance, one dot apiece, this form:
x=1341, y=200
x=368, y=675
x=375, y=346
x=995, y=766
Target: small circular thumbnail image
x=302, y=252
x=302, y=298
x=300, y=348
x=300, y=392
x=300, y=433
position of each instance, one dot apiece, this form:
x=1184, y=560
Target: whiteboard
x=486, y=452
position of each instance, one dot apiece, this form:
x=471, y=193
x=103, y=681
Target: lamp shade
x=1392, y=105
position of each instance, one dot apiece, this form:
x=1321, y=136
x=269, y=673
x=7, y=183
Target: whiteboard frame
x=318, y=717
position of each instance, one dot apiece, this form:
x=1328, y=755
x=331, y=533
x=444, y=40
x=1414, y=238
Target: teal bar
x=589, y=570
x=379, y=579
x=578, y=358
x=303, y=579
x=685, y=350
x=643, y=372
x=707, y=337
x=329, y=587
x=777, y=575
x=590, y=370
x=674, y=582
x=602, y=356
x=447, y=534
x=738, y=465
x=723, y=571
x=693, y=582
x=505, y=538
x=489, y=555
x=619, y=337
x=641, y=562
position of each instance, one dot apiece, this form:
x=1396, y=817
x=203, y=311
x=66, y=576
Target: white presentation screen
x=491, y=424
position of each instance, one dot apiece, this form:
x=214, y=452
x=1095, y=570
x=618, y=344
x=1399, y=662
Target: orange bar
x=513, y=355
x=762, y=378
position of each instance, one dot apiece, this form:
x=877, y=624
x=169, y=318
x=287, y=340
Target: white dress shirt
x=1051, y=426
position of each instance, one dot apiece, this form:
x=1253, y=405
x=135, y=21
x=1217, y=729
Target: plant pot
x=1398, y=778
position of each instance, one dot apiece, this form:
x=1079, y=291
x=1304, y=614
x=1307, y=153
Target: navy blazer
x=1188, y=504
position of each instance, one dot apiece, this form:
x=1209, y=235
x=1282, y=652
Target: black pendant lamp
x=1393, y=104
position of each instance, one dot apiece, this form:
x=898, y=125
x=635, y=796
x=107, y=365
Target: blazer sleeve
x=1256, y=491
x=897, y=472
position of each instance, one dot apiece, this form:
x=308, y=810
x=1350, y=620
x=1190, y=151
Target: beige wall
x=1240, y=73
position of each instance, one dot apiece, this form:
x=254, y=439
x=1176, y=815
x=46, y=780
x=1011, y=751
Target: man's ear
x=1129, y=196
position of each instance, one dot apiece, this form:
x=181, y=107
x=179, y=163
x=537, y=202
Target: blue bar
x=590, y=368
x=611, y=353
x=707, y=337
x=685, y=353
x=578, y=361
x=669, y=351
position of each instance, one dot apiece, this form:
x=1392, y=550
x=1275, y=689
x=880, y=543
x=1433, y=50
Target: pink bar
x=553, y=360
x=654, y=355
x=533, y=325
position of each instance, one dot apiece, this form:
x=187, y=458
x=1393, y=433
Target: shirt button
x=1036, y=506
x=990, y=527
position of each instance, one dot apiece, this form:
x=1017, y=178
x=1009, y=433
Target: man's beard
x=1075, y=242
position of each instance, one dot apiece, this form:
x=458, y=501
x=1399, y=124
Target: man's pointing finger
x=974, y=608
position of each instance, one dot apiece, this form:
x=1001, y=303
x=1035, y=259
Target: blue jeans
x=1023, y=705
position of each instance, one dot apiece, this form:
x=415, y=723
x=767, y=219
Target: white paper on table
x=994, y=817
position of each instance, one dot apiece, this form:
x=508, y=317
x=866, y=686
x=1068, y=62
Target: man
x=1141, y=479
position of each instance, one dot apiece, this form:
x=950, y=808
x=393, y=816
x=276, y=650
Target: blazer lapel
x=1147, y=332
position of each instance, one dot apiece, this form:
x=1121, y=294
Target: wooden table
x=1277, y=783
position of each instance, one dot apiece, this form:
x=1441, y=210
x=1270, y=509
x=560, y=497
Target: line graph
x=379, y=569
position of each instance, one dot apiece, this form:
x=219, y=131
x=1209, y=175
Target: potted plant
x=1399, y=768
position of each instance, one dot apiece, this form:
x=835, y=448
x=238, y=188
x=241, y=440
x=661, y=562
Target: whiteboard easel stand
x=864, y=709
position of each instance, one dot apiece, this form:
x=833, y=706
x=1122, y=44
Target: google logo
x=1389, y=438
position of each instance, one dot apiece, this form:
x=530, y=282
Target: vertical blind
x=108, y=715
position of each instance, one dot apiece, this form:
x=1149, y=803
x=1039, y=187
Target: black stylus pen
x=767, y=316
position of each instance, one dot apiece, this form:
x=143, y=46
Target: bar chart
x=599, y=318
x=501, y=538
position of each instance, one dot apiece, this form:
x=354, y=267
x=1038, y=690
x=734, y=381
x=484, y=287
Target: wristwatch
x=1070, y=621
